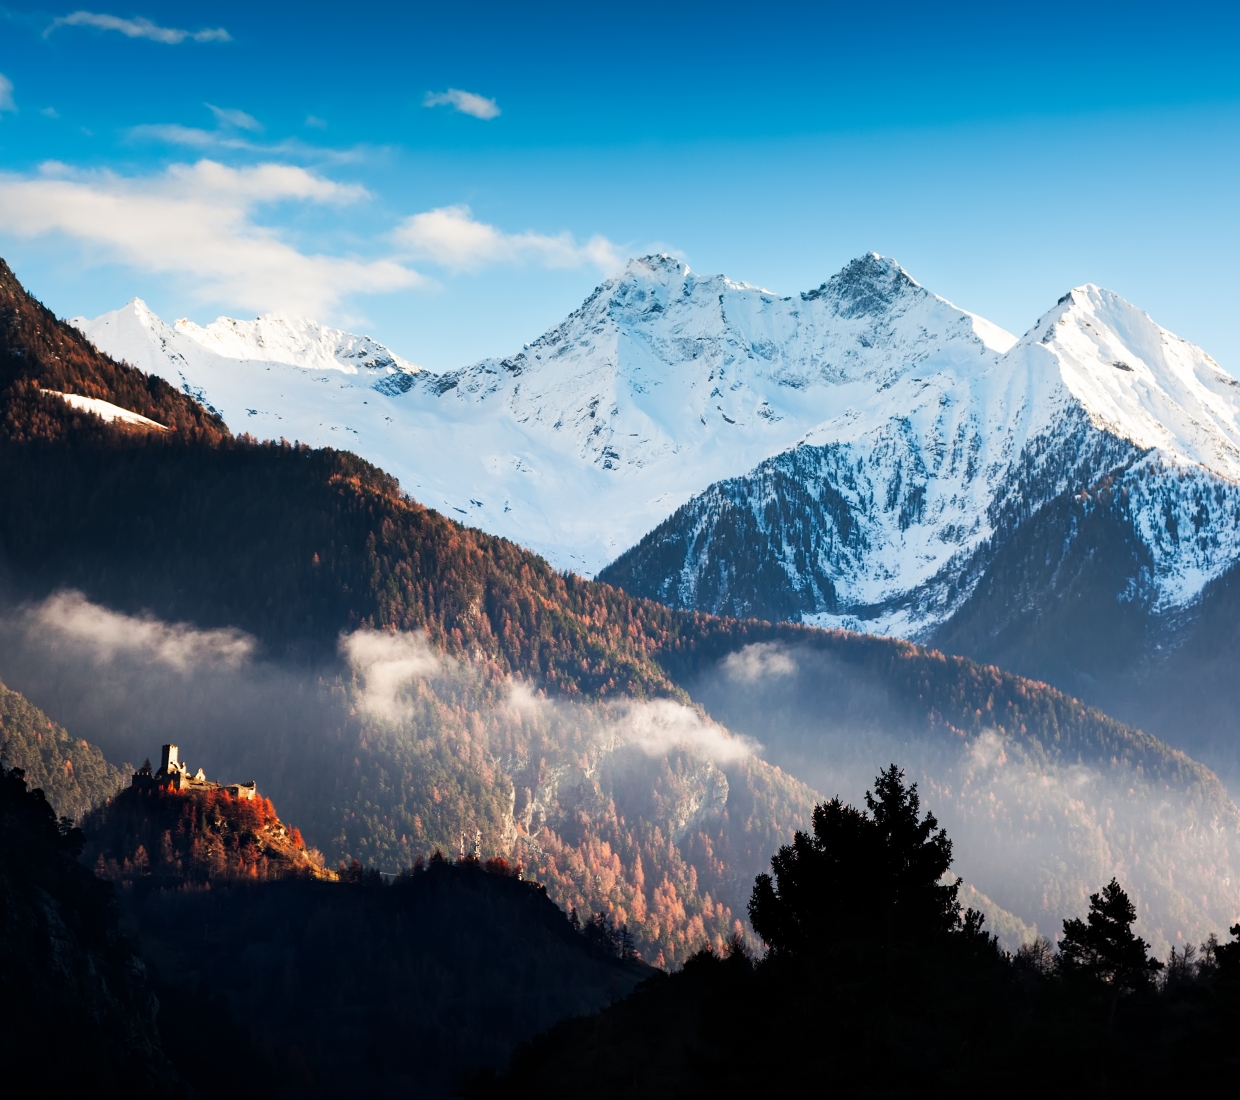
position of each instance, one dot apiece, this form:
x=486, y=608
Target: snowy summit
x=670, y=391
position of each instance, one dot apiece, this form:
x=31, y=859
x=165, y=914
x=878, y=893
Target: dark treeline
x=78, y=1011
x=875, y=984
x=313, y=988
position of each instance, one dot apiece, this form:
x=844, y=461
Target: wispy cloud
x=233, y=134
x=138, y=28
x=660, y=726
x=238, y=120
x=201, y=222
x=107, y=635
x=452, y=237
x=6, y=94
x=468, y=103
x=50, y=112
x=387, y=664
x=316, y=122
x=759, y=662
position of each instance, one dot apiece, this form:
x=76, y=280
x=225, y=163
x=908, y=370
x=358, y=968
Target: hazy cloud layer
x=660, y=726
x=467, y=103
x=452, y=237
x=759, y=662
x=201, y=221
x=6, y=94
x=389, y=663
x=1036, y=830
x=138, y=28
x=103, y=635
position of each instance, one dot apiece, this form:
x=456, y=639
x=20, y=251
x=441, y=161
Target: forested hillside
x=194, y=836
x=529, y=731
x=37, y=351
x=71, y=772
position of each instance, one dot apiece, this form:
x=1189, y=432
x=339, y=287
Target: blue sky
x=453, y=179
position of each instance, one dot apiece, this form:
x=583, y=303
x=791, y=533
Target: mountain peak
x=870, y=284
x=657, y=261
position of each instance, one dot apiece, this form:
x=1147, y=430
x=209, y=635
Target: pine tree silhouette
x=1103, y=948
x=868, y=878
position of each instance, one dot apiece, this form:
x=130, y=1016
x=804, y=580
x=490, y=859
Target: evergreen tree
x=864, y=876
x=1103, y=948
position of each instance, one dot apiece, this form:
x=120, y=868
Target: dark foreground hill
x=875, y=984
x=333, y=989
x=69, y=981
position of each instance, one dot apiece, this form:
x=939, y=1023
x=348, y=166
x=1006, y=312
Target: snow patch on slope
x=105, y=410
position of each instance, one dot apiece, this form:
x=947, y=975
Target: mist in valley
x=1036, y=827
x=393, y=749
x=647, y=810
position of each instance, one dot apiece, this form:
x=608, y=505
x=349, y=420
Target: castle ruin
x=173, y=775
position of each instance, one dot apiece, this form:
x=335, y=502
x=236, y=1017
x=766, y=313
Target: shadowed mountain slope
x=71, y=773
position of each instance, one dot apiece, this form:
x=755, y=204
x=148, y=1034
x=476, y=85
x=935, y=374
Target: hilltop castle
x=173, y=775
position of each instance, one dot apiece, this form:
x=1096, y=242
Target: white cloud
x=6, y=94
x=50, y=112
x=451, y=237
x=316, y=122
x=200, y=221
x=138, y=28
x=173, y=133
x=466, y=102
x=660, y=726
x=760, y=661
x=192, y=137
x=388, y=663
x=106, y=635
x=239, y=120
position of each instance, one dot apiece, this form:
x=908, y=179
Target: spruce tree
x=869, y=879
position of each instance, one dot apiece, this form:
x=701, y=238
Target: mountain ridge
x=661, y=382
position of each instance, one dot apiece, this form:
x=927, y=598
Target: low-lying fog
x=1034, y=832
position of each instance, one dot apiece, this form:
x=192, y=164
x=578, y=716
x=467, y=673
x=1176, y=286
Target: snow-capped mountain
x=850, y=455
x=884, y=517
x=660, y=384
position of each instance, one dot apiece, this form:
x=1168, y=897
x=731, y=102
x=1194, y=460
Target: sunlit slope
x=884, y=519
